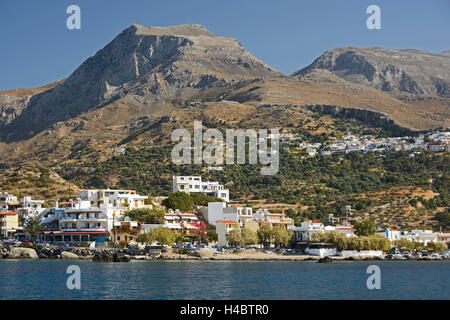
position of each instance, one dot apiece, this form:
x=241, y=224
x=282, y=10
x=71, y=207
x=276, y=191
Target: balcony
x=83, y=229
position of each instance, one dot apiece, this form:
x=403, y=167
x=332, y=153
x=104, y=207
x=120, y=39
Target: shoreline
x=165, y=254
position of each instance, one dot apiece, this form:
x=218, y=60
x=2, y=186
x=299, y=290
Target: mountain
x=146, y=64
x=410, y=71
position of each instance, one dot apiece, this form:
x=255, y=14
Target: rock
x=68, y=255
x=102, y=257
x=120, y=257
x=205, y=253
x=325, y=260
x=22, y=253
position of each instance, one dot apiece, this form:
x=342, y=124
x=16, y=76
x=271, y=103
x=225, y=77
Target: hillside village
x=104, y=218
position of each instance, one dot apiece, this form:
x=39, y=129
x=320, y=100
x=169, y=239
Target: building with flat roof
x=194, y=184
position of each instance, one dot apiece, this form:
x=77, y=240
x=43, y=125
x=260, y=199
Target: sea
x=219, y=280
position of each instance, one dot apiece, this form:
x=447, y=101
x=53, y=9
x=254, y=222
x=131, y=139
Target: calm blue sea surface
x=46, y=279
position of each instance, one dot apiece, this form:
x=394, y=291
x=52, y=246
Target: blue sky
x=37, y=48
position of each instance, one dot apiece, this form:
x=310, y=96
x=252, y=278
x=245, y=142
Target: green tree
x=282, y=236
x=234, y=237
x=265, y=235
x=248, y=237
x=179, y=200
x=147, y=237
x=365, y=228
x=147, y=215
x=164, y=236
x=33, y=226
x=211, y=235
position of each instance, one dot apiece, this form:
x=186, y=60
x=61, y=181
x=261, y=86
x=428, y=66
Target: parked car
x=406, y=254
x=434, y=255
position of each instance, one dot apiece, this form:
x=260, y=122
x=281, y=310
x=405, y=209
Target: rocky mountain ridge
x=408, y=70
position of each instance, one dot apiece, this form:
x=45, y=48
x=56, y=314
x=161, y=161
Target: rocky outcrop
x=412, y=71
x=22, y=253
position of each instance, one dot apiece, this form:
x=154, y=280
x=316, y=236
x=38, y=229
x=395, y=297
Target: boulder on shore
x=22, y=253
x=109, y=257
x=325, y=260
x=68, y=255
x=205, y=253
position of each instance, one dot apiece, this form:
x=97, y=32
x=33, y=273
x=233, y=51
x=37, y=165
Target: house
x=274, y=219
x=307, y=229
x=424, y=236
x=349, y=231
x=9, y=223
x=219, y=211
x=194, y=184
x=29, y=207
x=103, y=196
x=222, y=229
x=390, y=234
x=125, y=231
x=179, y=221
x=7, y=201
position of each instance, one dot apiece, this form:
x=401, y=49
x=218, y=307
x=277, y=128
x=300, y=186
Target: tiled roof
x=9, y=213
x=227, y=221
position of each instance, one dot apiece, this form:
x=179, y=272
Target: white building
x=423, y=236
x=115, y=203
x=29, y=207
x=219, y=211
x=194, y=184
x=308, y=228
x=7, y=200
x=103, y=196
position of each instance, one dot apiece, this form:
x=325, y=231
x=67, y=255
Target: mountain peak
x=185, y=30
x=143, y=64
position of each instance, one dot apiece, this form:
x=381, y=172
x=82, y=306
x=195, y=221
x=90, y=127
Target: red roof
x=227, y=221
x=316, y=222
x=9, y=213
x=345, y=228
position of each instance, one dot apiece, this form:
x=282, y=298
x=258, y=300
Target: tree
x=265, y=235
x=179, y=200
x=147, y=215
x=33, y=226
x=234, y=237
x=164, y=236
x=212, y=236
x=146, y=238
x=436, y=246
x=248, y=237
x=200, y=230
x=282, y=236
x=365, y=228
